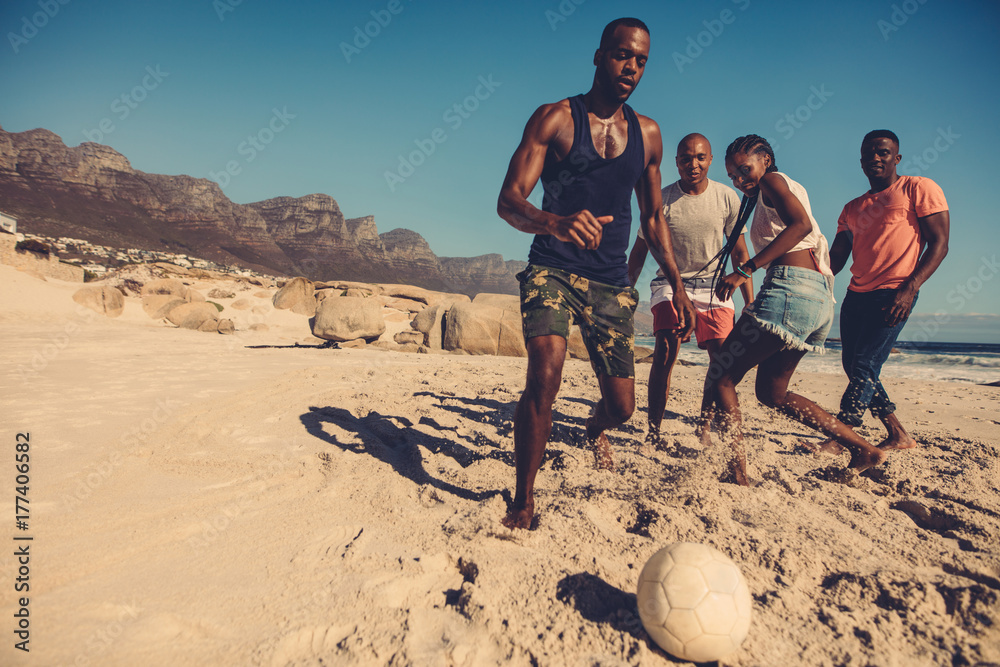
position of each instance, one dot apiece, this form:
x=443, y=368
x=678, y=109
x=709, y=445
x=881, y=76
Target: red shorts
x=709, y=323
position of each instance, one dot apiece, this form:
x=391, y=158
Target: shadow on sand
x=383, y=438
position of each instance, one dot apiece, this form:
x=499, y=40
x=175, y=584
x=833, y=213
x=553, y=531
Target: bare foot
x=520, y=518
x=735, y=474
x=863, y=460
x=704, y=434
x=830, y=447
x=897, y=442
x=602, y=452
x=653, y=442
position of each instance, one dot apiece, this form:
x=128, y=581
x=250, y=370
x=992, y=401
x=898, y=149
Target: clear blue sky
x=185, y=84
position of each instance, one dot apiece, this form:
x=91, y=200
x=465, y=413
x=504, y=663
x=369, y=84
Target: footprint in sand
x=308, y=645
x=333, y=544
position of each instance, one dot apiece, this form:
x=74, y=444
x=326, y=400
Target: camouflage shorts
x=552, y=300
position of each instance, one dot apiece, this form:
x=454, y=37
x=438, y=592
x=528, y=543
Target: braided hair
x=750, y=144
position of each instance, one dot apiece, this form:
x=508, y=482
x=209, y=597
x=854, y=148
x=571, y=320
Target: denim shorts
x=796, y=304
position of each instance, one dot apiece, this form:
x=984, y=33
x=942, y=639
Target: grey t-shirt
x=699, y=225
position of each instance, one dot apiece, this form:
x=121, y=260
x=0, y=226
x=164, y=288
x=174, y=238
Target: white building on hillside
x=7, y=223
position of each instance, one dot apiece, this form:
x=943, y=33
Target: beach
x=255, y=499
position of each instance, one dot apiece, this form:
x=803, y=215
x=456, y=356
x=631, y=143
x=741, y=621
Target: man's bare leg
x=615, y=408
x=898, y=438
x=533, y=422
x=664, y=357
x=704, y=428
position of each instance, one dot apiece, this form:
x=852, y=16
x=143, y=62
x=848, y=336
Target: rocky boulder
x=195, y=316
x=348, y=318
x=298, y=295
x=104, y=300
x=484, y=329
x=158, y=306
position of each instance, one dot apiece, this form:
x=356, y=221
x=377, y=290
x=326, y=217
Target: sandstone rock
x=643, y=355
x=298, y=295
x=347, y=318
x=172, y=268
x=345, y=285
x=165, y=286
x=194, y=295
x=408, y=292
x=358, y=292
x=209, y=326
x=482, y=329
x=574, y=344
x=400, y=303
x=194, y=315
x=226, y=326
x=356, y=343
x=241, y=304
x=262, y=294
x=409, y=337
x=506, y=301
x=217, y=293
x=158, y=306
x=327, y=294
x=430, y=322
x=258, y=326
x=446, y=299
x=104, y=300
x=398, y=317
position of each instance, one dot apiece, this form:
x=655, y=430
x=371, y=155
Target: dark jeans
x=867, y=341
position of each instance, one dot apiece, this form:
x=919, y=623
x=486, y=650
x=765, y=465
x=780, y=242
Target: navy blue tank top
x=585, y=180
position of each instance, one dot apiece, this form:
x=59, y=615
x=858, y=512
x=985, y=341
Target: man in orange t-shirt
x=898, y=233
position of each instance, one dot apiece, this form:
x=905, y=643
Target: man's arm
x=636, y=260
x=840, y=251
x=740, y=255
x=934, y=228
x=582, y=228
x=654, y=225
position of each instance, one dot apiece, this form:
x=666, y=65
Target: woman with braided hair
x=792, y=312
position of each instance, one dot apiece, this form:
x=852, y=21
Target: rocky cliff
x=92, y=192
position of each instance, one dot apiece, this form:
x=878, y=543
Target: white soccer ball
x=694, y=602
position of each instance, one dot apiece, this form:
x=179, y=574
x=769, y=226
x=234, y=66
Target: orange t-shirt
x=887, y=240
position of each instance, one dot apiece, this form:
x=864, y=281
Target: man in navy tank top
x=590, y=153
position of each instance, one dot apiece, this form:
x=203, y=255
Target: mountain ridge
x=92, y=190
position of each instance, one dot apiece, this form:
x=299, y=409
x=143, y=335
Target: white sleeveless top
x=766, y=225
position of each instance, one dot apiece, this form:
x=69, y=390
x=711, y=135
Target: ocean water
x=975, y=363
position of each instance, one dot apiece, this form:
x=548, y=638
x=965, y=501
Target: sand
x=195, y=500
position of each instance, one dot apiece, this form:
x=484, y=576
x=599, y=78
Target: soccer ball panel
x=657, y=567
x=722, y=576
x=684, y=624
x=717, y=613
x=652, y=603
x=708, y=647
x=685, y=587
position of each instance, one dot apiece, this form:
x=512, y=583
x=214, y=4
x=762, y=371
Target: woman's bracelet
x=739, y=270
